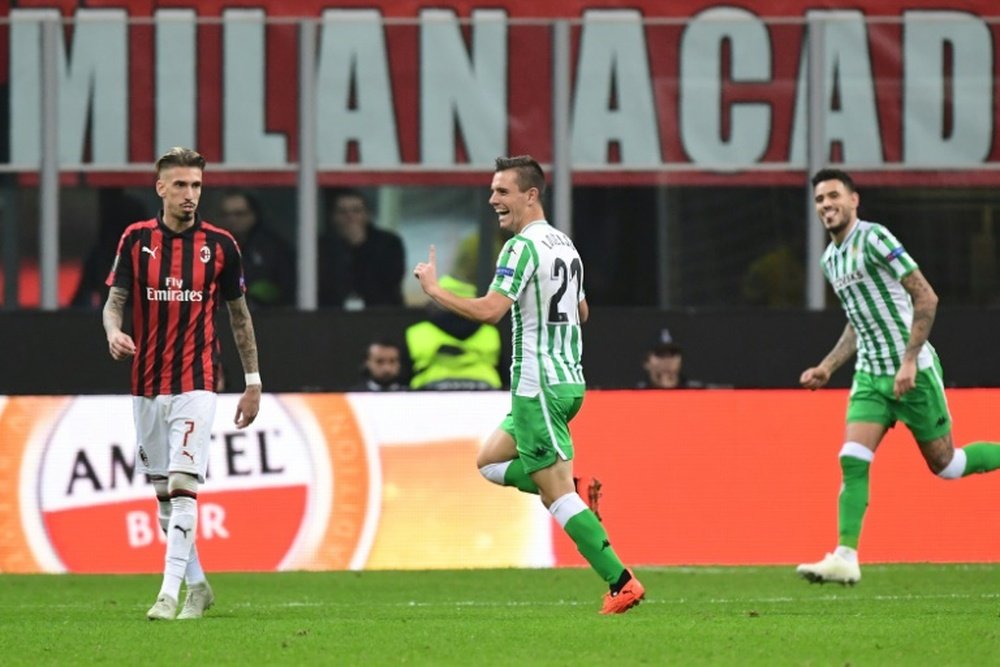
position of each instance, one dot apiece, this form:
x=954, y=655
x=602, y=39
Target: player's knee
x=161, y=487
x=483, y=459
x=494, y=472
x=953, y=469
x=182, y=484
x=855, y=450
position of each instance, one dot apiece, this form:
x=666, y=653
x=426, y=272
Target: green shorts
x=924, y=409
x=540, y=426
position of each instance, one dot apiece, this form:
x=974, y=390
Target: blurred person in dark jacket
x=268, y=261
x=360, y=265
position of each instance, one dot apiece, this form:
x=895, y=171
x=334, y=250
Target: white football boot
x=165, y=609
x=199, y=598
x=833, y=568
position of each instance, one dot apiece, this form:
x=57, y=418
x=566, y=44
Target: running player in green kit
x=540, y=275
x=890, y=310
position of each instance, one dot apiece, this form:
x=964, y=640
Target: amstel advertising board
x=366, y=481
x=317, y=482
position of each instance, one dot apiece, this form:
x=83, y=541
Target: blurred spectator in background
x=116, y=211
x=383, y=368
x=664, y=367
x=360, y=265
x=449, y=352
x=268, y=261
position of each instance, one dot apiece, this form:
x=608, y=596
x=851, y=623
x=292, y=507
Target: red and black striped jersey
x=175, y=282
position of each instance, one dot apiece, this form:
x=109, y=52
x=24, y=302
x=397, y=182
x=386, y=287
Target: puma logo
x=187, y=454
x=184, y=531
x=151, y=251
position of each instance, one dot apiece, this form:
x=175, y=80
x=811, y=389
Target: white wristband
x=252, y=378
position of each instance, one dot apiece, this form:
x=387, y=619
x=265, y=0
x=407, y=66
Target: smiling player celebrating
x=890, y=309
x=540, y=275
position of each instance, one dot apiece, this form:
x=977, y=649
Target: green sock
x=516, y=476
x=853, y=499
x=592, y=542
x=981, y=457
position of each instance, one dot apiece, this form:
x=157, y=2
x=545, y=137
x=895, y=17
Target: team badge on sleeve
x=894, y=253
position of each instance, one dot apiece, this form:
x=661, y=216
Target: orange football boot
x=629, y=596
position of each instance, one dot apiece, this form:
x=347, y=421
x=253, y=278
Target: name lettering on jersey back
x=847, y=280
x=552, y=240
x=174, y=291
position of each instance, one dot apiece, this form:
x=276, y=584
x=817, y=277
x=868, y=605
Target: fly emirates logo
x=173, y=291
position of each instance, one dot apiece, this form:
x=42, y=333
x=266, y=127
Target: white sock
x=180, y=538
x=495, y=472
x=566, y=507
x=956, y=467
x=194, y=573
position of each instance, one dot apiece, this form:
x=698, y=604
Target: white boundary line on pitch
x=573, y=603
x=844, y=597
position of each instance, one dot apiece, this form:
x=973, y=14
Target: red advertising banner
x=406, y=92
x=368, y=481
x=752, y=477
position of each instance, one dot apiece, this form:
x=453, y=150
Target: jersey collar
x=166, y=230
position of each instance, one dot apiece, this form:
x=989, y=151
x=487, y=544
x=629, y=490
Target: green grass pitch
x=898, y=615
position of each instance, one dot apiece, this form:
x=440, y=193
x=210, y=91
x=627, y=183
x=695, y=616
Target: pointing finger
x=432, y=255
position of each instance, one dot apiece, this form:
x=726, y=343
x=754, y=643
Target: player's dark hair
x=179, y=156
x=834, y=175
x=529, y=172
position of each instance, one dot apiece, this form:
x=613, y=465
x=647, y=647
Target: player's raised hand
x=426, y=272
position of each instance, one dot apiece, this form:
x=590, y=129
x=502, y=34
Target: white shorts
x=173, y=433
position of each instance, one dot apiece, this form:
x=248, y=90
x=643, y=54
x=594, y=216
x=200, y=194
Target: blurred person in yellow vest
x=451, y=353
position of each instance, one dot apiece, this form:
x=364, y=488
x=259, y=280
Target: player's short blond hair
x=178, y=156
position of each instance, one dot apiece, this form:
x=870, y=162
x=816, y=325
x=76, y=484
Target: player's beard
x=840, y=222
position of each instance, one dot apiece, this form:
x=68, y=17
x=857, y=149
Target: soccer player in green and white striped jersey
x=890, y=309
x=540, y=276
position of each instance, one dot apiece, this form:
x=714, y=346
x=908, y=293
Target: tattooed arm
x=120, y=344
x=817, y=376
x=925, y=303
x=246, y=345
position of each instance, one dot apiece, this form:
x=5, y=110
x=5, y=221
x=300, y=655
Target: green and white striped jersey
x=541, y=271
x=865, y=271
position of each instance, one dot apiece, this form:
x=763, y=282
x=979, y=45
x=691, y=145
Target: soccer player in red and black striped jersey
x=173, y=270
